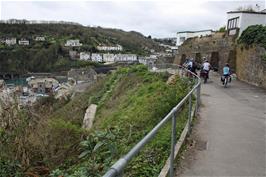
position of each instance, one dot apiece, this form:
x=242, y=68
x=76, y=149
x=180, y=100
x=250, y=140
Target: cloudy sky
x=152, y=17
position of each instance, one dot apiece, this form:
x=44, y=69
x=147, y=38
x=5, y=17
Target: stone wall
x=251, y=65
x=217, y=48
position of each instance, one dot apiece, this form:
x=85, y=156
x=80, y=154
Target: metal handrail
x=119, y=166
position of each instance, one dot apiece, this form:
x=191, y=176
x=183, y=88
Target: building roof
x=263, y=12
x=194, y=31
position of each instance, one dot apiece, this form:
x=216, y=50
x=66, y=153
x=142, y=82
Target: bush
x=137, y=102
x=255, y=34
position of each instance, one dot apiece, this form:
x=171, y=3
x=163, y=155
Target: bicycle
x=226, y=80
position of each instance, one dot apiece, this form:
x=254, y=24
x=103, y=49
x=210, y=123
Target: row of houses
x=23, y=21
x=13, y=41
x=110, y=48
x=76, y=43
x=107, y=57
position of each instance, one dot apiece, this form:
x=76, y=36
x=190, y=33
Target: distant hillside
x=51, y=54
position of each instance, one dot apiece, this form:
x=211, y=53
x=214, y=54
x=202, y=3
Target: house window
x=233, y=23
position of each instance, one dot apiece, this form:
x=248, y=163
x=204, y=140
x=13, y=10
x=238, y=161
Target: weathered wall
x=218, y=48
x=251, y=65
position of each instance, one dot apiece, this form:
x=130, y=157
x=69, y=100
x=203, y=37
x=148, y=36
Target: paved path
x=230, y=134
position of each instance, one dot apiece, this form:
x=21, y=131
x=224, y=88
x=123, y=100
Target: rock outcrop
x=89, y=116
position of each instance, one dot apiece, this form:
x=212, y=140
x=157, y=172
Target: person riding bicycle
x=190, y=65
x=226, y=73
x=206, y=66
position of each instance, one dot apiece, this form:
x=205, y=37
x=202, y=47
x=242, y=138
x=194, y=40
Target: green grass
x=137, y=101
x=131, y=101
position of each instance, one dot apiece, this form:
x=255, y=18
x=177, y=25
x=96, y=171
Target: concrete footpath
x=230, y=136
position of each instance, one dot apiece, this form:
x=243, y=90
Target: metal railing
x=117, y=169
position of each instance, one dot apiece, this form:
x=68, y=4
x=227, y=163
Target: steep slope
x=130, y=102
x=51, y=54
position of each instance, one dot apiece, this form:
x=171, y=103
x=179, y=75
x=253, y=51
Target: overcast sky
x=155, y=18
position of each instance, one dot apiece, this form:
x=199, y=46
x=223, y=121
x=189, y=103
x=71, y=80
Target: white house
x=147, y=60
x=240, y=20
x=11, y=41
x=125, y=58
x=73, y=43
x=110, y=48
x=23, y=42
x=108, y=57
x=183, y=35
x=84, y=56
x=40, y=38
x=96, y=57
x=73, y=54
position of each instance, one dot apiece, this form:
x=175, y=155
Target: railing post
x=189, y=113
x=198, y=98
x=173, y=141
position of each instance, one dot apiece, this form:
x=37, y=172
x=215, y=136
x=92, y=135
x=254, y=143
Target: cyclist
x=206, y=66
x=226, y=73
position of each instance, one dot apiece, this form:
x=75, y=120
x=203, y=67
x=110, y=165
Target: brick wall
x=251, y=65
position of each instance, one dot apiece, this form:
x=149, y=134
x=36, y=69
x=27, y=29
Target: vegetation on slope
x=52, y=55
x=135, y=105
x=130, y=103
x=255, y=34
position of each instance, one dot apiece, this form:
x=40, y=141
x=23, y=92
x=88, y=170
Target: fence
x=117, y=169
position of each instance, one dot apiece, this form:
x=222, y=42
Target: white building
x=108, y=57
x=84, y=56
x=96, y=57
x=73, y=54
x=23, y=42
x=73, y=43
x=240, y=20
x=183, y=35
x=40, y=38
x=147, y=60
x=125, y=58
x=110, y=48
x=11, y=41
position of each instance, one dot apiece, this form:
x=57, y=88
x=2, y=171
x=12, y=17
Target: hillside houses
x=84, y=56
x=24, y=42
x=39, y=38
x=110, y=48
x=73, y=43
x=73, y=54
x=11, y=41
x=96, y=57
x=126, y=58
x=108, y=58
x=43, y=85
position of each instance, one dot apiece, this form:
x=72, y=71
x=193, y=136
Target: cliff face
x=218, y=49
x=251, y=65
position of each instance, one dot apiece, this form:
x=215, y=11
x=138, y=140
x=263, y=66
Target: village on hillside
x=79, y=100
x=221, y=52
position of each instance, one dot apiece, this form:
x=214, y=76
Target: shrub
x=255, y=34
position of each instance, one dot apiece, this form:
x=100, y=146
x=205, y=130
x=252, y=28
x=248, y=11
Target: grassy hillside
x=51, y=55
x=130, y=103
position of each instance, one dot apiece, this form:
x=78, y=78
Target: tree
x=222, y=29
